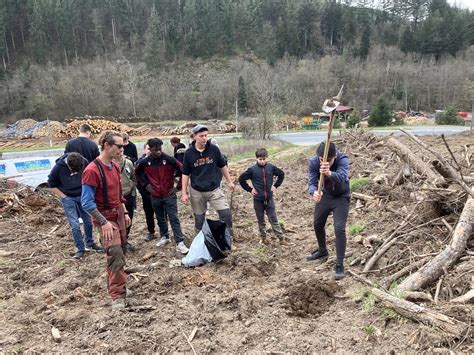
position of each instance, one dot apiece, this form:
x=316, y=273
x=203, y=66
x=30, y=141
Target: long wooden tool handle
x=326, y=149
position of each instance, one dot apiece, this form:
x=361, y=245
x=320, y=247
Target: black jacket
x=204, y=167
x=84, y=146
x=130, y=151
x=61, y=177
x=262, y=180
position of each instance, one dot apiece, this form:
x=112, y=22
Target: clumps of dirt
x=310, y=298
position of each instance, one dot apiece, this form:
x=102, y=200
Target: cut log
x=431, y=271
x=422, y=314
x=406, y=154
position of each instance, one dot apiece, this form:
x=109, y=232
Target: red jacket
x=159, y=173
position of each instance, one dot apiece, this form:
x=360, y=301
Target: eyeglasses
x=119, y=146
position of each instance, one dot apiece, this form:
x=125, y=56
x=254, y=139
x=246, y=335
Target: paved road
x=315, y=137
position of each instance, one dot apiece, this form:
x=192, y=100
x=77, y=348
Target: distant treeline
x=183, y=58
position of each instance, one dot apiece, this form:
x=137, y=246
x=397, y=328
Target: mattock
x=329, y=106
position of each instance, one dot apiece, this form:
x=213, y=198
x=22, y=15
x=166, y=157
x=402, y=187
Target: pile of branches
x=419, y=209
x=20, y=199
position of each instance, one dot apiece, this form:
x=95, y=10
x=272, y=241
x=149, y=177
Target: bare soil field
x=260, y=298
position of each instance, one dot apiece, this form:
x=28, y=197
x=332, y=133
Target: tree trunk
x=422, y=314
x=420, y=166
x=431, y=271
x=13, y=40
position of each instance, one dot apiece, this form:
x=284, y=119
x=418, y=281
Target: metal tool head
x=331, y=104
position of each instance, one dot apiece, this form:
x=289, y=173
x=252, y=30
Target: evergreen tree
x=381, y=114
x=242, y=100
x=154, y=51
x=365, y=43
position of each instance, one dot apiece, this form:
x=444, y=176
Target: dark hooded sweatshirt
x=336, y=185
x=262, y=180
x=61, y=177
x=204, y=167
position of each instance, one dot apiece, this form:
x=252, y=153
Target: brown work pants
x=114, y=251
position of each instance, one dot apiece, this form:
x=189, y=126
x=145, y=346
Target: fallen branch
x=362, y=196
x=466, y=298
x=407, y=156
x=446, y=259
x=386, y=281
x=421, y=314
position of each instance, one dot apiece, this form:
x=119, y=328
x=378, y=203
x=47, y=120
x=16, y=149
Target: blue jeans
x=73, y=210
x=166, y=208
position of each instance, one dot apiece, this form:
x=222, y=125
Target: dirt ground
x=259, y=299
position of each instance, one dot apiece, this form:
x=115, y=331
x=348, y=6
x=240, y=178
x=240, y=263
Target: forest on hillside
x=183, y=59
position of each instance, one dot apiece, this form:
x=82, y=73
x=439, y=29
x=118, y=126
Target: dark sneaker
x=339, y=272
x=79, y=255
x=315, y=255
x=95, y=247
x=150, y=237
x=262, y=241
x=130, y=248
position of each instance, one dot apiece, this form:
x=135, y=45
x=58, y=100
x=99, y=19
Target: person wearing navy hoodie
x=263, y=186
x=65, y=180
x=335, y=197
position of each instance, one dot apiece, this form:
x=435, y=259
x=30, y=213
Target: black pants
x=261, y=207
x=166, y=208
x=339, y=206
x=130, y=205
x=149, y=214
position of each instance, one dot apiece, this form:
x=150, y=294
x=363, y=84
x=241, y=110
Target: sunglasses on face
x=119, y=146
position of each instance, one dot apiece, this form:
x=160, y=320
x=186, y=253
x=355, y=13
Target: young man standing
x=146, y=200
x=65, y=181
x=203, y=161
x=83, y=144
x=129, y=148
x=261, y=175
x=335, y=197
x=103, y=199
x=156, y=173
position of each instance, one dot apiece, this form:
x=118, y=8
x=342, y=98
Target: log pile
x=98, y=126
x=418, y=212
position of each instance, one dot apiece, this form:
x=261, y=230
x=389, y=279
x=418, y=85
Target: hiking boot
x=163, y=241
x=79, y=255
x=183, y=249
x=339, y=272
x=94, y=247
x=150, y=237
x=118, y=304
x=130, y=247
x=315, y=255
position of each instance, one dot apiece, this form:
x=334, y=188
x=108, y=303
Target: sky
x=469, y=4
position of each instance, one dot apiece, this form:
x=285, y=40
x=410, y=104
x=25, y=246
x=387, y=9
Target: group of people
x=99, y=188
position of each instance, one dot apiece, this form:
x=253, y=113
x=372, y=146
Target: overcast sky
x=463, y=3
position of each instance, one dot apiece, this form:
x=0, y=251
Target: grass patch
x=238, y=148
x=356, y=228
x=368, y=329
x=369, y=301
x=358, y=183
x=5, y=262
x=7, y=150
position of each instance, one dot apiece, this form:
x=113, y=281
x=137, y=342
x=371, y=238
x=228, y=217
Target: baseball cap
x=199, y=128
